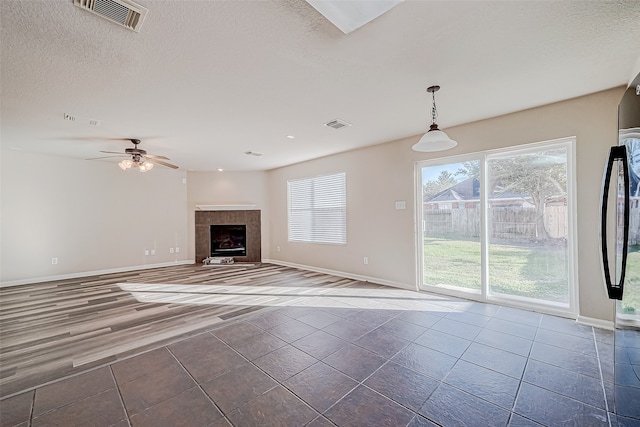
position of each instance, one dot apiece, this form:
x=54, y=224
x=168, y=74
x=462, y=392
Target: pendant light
x=434, y=139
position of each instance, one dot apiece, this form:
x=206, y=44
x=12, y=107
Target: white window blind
x=318, y=209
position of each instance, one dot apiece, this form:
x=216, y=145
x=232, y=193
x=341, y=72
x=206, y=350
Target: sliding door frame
x=568, y=310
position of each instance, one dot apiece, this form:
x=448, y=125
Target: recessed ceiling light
x=220, y=169
x=290, y=136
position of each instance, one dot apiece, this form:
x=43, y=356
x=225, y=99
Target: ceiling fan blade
x=156, y=157
x=114, y=152
x=160, y=162
x=106, y=157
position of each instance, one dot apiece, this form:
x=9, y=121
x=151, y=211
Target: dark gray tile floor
x=452, y=362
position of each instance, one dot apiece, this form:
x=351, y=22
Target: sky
x=431, y=173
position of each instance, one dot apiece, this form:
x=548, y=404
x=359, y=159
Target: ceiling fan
x=137, y=157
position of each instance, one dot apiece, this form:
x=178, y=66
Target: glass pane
x=451, y=225
x=629, y=307
x=528, y=225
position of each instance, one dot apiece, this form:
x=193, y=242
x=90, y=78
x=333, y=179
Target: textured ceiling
x=205, y=81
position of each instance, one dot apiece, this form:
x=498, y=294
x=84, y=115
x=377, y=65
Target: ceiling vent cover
x=122, y=12
x=78, y=119
x=337, y=124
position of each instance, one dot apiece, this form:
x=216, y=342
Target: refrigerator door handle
x=617, y=153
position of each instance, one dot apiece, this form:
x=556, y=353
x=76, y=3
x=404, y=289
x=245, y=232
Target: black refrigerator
x=620, y=249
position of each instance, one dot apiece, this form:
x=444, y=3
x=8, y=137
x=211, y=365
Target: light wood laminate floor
x=54, y=329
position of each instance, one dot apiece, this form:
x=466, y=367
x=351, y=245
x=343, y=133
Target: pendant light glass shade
x=434, y=139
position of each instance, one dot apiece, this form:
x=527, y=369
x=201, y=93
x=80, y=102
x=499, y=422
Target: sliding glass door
x=451, y=226
x=528, y=226
x=498, y=225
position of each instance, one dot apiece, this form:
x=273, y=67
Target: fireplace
x=230, y=220
x=228, y=240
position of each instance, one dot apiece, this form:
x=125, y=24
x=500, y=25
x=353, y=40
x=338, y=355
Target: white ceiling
x=205, y=81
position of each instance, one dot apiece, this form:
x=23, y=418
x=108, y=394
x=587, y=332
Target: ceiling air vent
x=78, y=119
x=122, y=12
x=337, y=124
x=253, y=153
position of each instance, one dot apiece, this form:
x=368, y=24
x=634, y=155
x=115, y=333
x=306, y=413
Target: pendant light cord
x=434, y=112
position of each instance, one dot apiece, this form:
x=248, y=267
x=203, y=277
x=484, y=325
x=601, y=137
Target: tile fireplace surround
x=250, y=218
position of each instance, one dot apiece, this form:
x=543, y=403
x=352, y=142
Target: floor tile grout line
x=197, y=383
x=278, y=383
x=362, y=383
x=604, y=389
x=320, y=416
x=358, y=383
x=67, y=404
x=120, y=398
x=524, y=370
x=32, y=409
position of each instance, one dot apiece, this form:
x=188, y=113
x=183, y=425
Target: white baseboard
x=91, y=273
x=343, y=274
x=596, y=323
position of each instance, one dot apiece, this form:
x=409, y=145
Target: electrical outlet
x=177, y=249
x=146, y=252
x=153, y=251
x=278, y=248
x=170, y=250
x=365, y=260
x=54, y=261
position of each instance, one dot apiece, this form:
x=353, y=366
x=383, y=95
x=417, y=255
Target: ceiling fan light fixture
x=434, y=139
x=145, y=166
x=125, y=164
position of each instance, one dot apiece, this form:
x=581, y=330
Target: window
x=318, y=209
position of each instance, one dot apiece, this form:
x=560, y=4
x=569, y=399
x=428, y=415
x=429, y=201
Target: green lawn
x=631, y=295
x=538, y=272
x=535, y=272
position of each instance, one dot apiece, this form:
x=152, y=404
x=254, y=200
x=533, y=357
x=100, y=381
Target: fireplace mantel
x=225, y=207
x=251, y=218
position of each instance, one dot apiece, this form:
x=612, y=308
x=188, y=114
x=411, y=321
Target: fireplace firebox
x=228, y=240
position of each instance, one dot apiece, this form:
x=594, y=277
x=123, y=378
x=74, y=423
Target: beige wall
x=92, y=216
x=228, y=188
x=379, y=176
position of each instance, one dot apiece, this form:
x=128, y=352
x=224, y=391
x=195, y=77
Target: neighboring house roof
x=469, y=190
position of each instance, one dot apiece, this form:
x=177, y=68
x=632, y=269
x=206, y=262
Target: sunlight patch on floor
x=239, y=295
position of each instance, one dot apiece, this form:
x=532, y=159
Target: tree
x=539, y=175
x=432, y=187
x=470, y=169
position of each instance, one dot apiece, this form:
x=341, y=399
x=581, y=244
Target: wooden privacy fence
x=506, y=222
